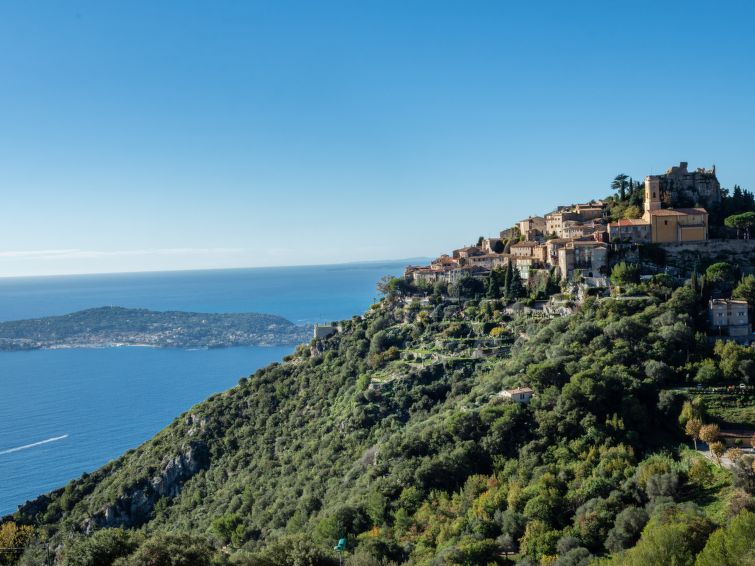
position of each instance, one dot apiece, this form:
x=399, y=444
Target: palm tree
x=620, y=184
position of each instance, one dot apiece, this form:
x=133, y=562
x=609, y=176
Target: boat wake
x=33, y=444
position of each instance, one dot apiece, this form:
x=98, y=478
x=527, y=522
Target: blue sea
x=65, y=412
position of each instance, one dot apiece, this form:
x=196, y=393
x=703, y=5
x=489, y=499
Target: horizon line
x=239, y=268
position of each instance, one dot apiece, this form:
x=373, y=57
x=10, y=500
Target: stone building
x=589, y=257
x=489, y=245
x=551, y=250
x=524, y=249
x=629, y=230
x=467, y=252
x=532, y=228
x=589, y=211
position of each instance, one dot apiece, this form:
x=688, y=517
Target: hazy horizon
x=229, y=268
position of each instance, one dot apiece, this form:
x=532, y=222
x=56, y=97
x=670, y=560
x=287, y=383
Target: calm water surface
x=65, y=412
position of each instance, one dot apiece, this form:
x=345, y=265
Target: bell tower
x=652, y=193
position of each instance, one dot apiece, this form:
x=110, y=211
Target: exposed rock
x=136, y=507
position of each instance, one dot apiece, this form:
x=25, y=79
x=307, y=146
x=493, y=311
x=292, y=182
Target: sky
x=139, y=136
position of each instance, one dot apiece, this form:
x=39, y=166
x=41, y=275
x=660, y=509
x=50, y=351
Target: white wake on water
x=33, y=444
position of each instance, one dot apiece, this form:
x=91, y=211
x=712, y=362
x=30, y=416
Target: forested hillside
x=393, y=435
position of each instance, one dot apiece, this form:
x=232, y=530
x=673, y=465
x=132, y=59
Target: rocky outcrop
x=136, y=507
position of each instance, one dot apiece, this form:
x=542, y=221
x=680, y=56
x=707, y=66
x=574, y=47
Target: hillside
x=392, y=434
x=116, y=326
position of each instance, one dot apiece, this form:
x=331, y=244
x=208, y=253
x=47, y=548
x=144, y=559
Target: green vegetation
x=392, y=434
x=107, y=326
x=624, y=274
x=742, y=223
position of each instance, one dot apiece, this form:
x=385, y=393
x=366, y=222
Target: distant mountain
x=117, y=326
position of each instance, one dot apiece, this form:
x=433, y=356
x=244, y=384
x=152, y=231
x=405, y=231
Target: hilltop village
x=574, y=239
x=664, y=226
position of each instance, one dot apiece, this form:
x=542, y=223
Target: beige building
x=521, y=395
x=524, y=249
x=589, y=211
x=672, y=225
x=729, y=317
x=678, y=225
x=555, y=221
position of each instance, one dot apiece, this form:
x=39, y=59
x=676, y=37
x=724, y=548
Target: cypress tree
x=516, y=287
x=507, y=281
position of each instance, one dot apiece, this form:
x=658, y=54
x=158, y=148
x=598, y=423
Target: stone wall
x=680, y=258
x=686, y=254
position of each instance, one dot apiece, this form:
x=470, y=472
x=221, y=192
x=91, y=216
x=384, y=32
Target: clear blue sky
x=174, y=135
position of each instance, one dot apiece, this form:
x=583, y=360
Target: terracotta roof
x=525, y=245
x=629, y=222
x=692, y=210
x=678, y=211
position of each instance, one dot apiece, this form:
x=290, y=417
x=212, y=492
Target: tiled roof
x=524, y=245
x=678, y=211
x=692, y=210
x=629, y=222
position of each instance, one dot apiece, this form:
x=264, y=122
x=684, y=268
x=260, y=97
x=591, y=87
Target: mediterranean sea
x=69, y=411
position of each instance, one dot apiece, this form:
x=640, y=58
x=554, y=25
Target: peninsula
x=116, y=326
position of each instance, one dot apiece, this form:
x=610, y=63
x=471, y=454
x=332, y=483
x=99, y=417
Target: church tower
x=652, y=194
